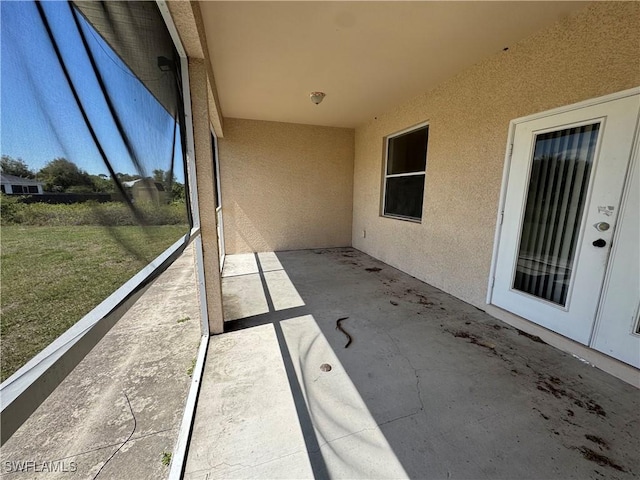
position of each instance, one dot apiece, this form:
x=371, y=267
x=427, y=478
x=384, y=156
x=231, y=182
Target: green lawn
x=52, y=276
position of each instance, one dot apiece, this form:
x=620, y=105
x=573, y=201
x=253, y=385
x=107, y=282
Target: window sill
x=400, y=217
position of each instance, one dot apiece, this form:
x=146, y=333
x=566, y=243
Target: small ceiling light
x=317, y=97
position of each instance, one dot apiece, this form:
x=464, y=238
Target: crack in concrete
x=242, y=465
x=415, y=371
x=329, y=442
x=378, y=425
x=139, y=437
x=400, y=418
x=375, y=427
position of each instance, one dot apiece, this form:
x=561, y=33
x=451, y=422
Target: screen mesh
x=92, y=140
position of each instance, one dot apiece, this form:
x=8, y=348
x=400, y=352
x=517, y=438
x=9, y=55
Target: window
x=216, y=186
x=33, y=189
x=406, y=161
x=17, y=189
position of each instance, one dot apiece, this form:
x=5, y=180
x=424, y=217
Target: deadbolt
x=599, y=243
x=602, y=226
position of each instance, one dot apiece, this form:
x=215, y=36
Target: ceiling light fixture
x=317, y=97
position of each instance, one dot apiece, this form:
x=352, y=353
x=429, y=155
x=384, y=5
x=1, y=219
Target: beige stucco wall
x=285, y=186
x=592, y=53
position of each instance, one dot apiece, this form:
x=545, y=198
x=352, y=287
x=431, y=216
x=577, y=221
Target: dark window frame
x=412, y=173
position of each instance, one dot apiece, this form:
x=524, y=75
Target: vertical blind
x=559, y=180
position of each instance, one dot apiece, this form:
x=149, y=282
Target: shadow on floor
x=430, y=387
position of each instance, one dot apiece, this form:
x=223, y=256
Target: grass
x=52, y=276
x=191, y=368
x=166, y=459
x=14, y=212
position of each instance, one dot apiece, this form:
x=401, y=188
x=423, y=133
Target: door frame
x=507, y=167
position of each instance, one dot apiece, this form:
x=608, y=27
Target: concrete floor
x=146, y=356
x=431, y=387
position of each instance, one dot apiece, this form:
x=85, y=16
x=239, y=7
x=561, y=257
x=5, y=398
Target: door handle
x=599, y=243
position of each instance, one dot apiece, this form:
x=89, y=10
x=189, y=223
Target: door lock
x=602, y=226
x=599, y=243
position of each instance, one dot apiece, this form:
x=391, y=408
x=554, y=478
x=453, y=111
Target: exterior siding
x=589, y=54
x=285, y=186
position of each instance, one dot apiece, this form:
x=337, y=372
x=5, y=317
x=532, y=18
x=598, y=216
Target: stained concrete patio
x=431, y=387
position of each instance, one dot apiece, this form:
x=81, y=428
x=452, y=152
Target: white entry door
x=563, y=198
x=617, y=330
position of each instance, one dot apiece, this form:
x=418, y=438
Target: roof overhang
x=366, y=56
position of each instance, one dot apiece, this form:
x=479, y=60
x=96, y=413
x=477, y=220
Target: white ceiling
x=366, y=56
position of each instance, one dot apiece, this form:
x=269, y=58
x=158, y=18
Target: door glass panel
x=559, y=178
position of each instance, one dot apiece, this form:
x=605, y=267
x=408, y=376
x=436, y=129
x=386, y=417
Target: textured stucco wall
x=589, y=54
x=285, y=186
x=206, y=198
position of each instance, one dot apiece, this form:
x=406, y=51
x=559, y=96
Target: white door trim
x=507, y=165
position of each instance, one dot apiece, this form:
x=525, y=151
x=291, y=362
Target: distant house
x=12, y=185
x=145, y=190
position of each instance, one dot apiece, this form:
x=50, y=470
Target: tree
x=60, y=174
x=17, y=167
x=125, y=177
x=102, y=183
x=175, y=190
x=160, y=175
